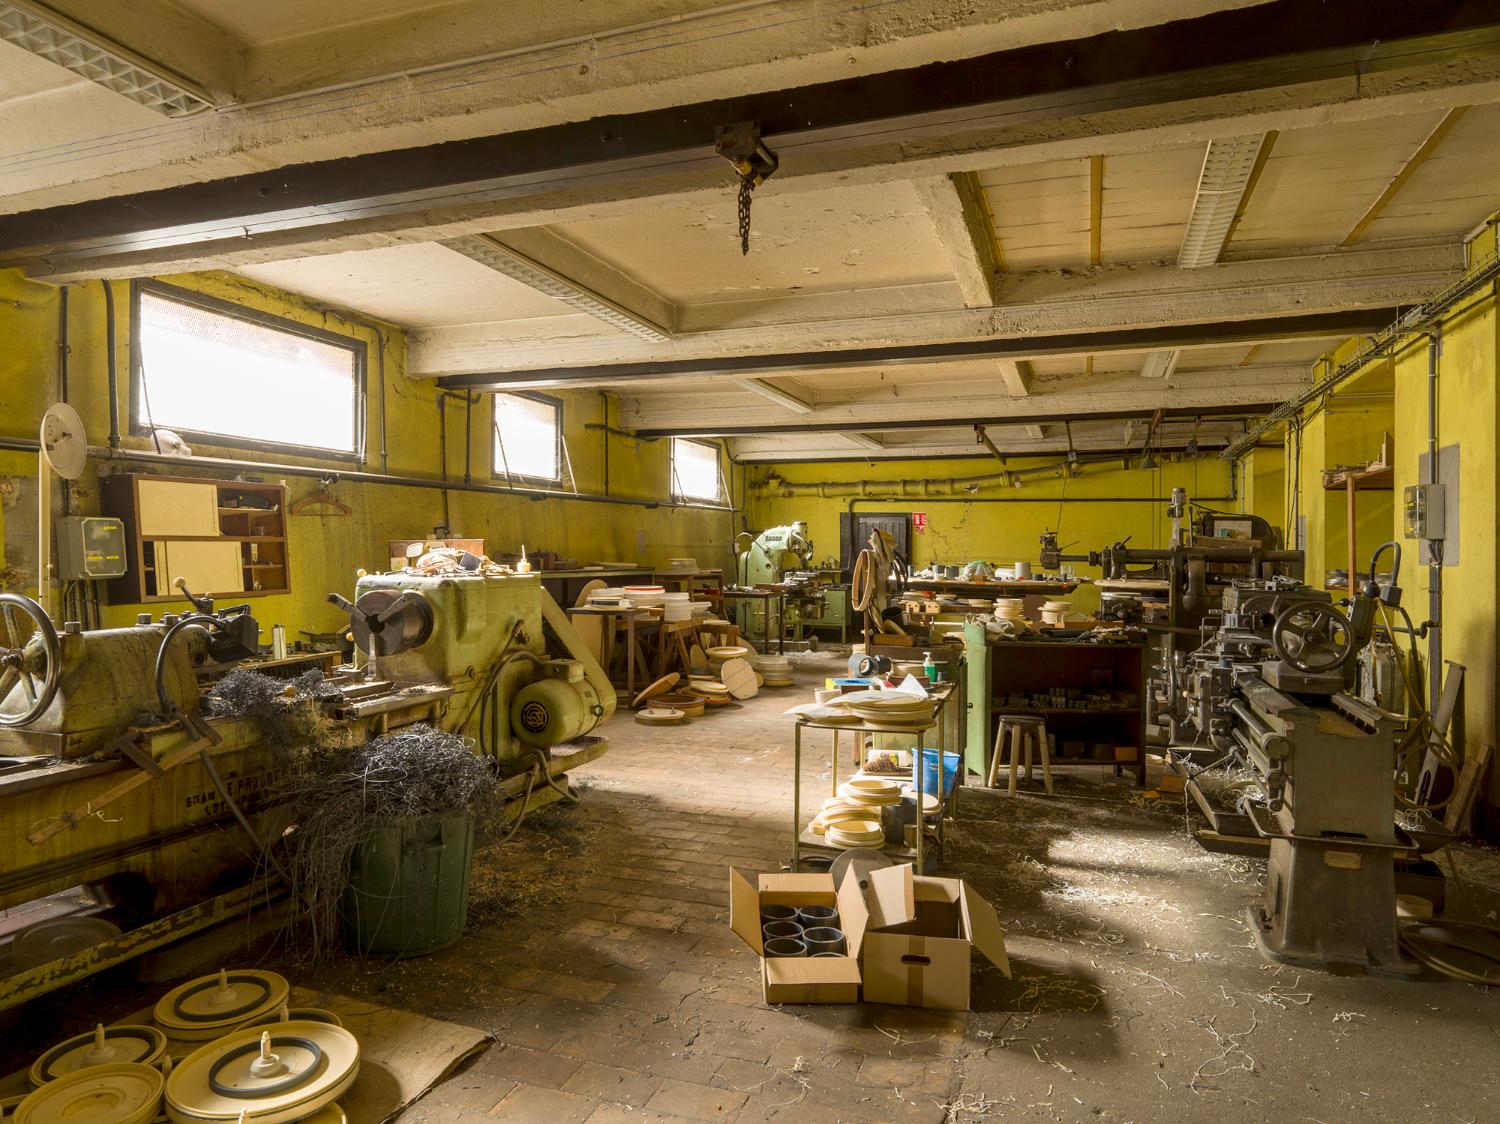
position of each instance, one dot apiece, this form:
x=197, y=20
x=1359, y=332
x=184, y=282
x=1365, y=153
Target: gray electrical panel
x=1423, y=508
x=90, y=547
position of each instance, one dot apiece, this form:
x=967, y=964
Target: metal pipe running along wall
x=133, y=456
x=1004, y=477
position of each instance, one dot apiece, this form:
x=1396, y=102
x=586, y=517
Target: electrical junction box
x=1423, y=506
x=90, y=547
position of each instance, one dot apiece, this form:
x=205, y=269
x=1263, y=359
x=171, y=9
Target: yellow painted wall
x=1467, y=411
x=326, y=551
x=1262, y=486
x=996, y=523
x=1467, y=415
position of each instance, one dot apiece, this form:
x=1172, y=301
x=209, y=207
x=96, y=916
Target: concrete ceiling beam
x=1229, y=72
x=960, y=216
x=1016, y=375
x=1082, y=307
x=953, y=446
x=1208, y=393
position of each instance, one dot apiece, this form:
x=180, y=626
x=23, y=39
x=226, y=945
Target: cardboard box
x=916, y=946
x=909, y=938
x=822, y=979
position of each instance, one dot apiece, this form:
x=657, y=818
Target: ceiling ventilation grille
x=535, y=275
x=73, y=47
x=1227, y=168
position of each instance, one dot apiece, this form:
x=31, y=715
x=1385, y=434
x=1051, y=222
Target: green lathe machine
x=119, y=797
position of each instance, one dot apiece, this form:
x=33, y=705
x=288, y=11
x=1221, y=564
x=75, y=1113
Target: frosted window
x=695, y=470
x=206, y=372
x=528, y=437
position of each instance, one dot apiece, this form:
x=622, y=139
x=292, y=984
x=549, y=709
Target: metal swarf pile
x=340, y=799
x=287, y=712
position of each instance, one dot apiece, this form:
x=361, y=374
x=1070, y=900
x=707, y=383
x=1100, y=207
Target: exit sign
x=919, y=521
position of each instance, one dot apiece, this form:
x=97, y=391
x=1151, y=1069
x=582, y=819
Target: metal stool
x=1025, y=732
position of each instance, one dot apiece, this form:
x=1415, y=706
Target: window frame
x=497, y=468
x=357, y=347
x=721, y=498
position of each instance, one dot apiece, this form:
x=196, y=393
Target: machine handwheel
x=1313, y=638
x=20, y=644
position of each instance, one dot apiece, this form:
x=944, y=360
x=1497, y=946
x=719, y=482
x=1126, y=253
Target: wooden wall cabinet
x=227, y=538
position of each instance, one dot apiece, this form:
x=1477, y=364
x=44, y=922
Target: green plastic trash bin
x=408, y=890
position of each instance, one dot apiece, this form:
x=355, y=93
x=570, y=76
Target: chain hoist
x=754, y=163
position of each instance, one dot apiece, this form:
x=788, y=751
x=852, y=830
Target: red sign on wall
x=919, y=521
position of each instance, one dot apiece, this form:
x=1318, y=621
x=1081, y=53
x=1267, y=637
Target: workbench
x=767, y=597
x=567, y=585
x=953, y=587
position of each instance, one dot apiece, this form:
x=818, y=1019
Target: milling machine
x=1265, y=696
x=778, y=558
x=115, y=786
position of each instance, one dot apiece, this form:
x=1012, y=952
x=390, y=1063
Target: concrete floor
x=599, y=957
x=601, y=960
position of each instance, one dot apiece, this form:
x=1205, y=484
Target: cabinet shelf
x=182, y=519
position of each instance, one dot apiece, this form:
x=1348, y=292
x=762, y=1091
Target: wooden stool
x=1023, y=732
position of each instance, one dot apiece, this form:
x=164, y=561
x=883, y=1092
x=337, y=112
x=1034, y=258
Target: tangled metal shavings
x=337, y=802
x=287, y=712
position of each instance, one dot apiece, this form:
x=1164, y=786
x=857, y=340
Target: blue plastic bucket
x=929, y=766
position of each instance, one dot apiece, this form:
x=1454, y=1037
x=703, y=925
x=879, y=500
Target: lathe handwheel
x=18, y=677
x=1313, y=638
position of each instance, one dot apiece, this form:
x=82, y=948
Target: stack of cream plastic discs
x=894, y=709
x=100, y=1046
x=776, y=669
x=271, y=1075
x=1011, y=609
x=849, y=834
x=870, y=793
x=206, y=1008
x=116, y=1093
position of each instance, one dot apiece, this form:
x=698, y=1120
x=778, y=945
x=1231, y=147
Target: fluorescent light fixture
x=1221, y=189
x=775, y=394
x=533, y=274
x=1160, y=364
x=36, y=28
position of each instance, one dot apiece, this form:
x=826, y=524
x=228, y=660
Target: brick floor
x=599, y=958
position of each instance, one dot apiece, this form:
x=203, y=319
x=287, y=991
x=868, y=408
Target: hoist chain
x=746, y=188
x=753, y=162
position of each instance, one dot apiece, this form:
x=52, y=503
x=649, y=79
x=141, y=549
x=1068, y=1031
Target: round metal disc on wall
x=65, y=446
x=122, y=1093
x=104, y=1045
x=739, y=677
x=272, y=1074
x=207, y=1007
x=60, y=936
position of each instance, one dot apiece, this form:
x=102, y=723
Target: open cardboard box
x=918, y=936
x=822, y=979
x=909, y=937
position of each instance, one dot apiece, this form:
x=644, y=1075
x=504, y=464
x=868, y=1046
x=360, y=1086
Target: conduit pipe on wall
x=1434, y=546
x=225, y=464
x=109, y=365
x=903, y=487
